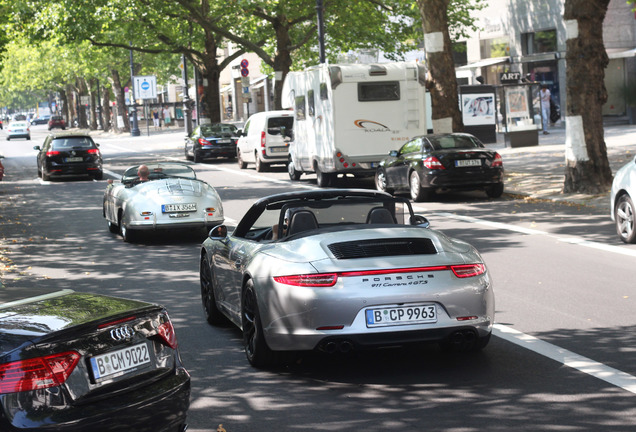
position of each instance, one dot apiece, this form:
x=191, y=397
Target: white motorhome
x=349, y=116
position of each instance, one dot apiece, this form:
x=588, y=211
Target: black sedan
x=210, y=141
x=41, y=120
x=74, y=362
x=68, y=154
x=436, y=163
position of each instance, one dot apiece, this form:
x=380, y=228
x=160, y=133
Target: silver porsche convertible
x=341, y=270
x=171, y=198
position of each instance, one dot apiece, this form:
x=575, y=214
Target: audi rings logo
x=122, y=333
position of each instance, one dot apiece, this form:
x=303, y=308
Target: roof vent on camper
x=376, y=70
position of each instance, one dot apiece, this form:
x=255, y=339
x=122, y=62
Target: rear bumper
x=466, y=181
x=216, y=151
x=73, y=170
x=161, y=406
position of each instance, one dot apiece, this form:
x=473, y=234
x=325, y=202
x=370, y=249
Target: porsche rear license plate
x=468, y=162
x=400, y=315
x=120, y=361
x=170, y=208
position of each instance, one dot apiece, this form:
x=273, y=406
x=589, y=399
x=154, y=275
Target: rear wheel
x=99, y=175
x=197, y=157
x=212, y=313
x=239, y=157
x=418, y=193
x=495, y=191
x=113, y=227
x=293, y=173
x=187, y=156
x=126, y=234
x=323, y=179
x=45, y=176
x=624, y=216
x=260, y=165
x=256, y=349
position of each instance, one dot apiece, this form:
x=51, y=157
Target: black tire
x=256, y=350
x=294, y=174
x=8, y=139
x=127, y=235
x=187, y=156
x=45, y=177
x=323, y=179
x=239, y=158
x=212, y=313
x=99, y=175
x=624, y=217
x=113, y=227
x=260, y=165
x=495, y=191
x=418, y=193
x=29, y=138
x=380, y=181
x=197, y=157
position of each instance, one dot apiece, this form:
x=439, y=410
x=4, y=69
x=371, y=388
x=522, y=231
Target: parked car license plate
x=169, y=208
x=279, y=149
x=379, y=317
x=121, y=361
x=74, y=159
x=468, y=162
x=224, y=141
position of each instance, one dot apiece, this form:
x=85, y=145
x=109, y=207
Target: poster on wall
x=478, y=109
x=517, y=102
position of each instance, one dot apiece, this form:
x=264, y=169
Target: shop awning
x=619, y=53
x=483, y=63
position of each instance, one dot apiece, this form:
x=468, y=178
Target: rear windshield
x=218, y=129
x=454, y=142
x=56, y=118
x=75, y=143
x=276, y=125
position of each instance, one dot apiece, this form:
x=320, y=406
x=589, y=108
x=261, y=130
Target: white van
x=265, y=139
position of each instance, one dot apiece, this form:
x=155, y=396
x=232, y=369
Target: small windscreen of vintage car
x=290, y=218
x=459, y=142
x=218, y=129
x=158, y=171
x=72, y=143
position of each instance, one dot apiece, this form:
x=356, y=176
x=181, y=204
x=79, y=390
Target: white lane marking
x=491, y=224
x=600, y=246
x=264, y=178
x=567, y=358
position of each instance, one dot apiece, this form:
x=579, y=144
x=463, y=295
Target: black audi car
x=442, y=162
x=77, y=362
x=210, y=141
x=68, y=154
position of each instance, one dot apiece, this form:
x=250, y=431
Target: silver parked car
x=622, y=201
x=171, y=198
x=340, y=270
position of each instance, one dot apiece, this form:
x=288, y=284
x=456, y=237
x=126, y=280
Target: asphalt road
x=562, y=358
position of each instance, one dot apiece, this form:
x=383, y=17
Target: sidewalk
x=538, y=172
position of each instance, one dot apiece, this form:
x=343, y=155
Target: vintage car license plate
x=121, y=361
x=185, y=207
x=74, y=159
x=468, y=162
x=379, y=317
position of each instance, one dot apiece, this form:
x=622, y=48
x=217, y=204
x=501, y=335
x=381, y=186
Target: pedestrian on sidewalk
x=166, y=116
x=545, y=97
x=155, y=119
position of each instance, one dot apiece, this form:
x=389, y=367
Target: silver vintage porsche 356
x=170, y=198
x=340, y=270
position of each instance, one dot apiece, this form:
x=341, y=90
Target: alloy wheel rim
x=625, y=219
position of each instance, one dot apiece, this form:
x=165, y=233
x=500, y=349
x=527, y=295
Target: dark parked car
x=77, y=362
x=67, y=154
x=212, y=141
x=435, y=163
x=57, y=122
x=41, y=120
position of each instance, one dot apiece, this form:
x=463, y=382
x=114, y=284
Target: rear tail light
x=167, y=334
x=263, y=141
x=432, y=162
x=37, y=373
x=497, y=162
x=468, y=270
x=52, y=153
x=330, y=279
x=92, y=151
x=203, y=141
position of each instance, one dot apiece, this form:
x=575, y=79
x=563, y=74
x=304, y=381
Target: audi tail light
x=433, y=163
x=37, y=373
x=167, y=334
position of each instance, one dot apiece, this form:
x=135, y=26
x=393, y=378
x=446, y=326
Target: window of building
x=539, y=42
x=460, y=57
x=496, y=47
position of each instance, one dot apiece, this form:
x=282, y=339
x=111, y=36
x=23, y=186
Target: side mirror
x=420, y=220
x=393, y=153
x=219, y=232
x=36, y=148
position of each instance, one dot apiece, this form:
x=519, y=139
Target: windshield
x=453, y=142
x=220, y=128
x=72, y=143
x=161, y=171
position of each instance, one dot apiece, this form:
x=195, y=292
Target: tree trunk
x=82, y=90
x=441, y=81
x=106, y=111
x=587, y=167
x=120, y=100
x=71, y=106
x=64, y=110
x=92, y=91
x=282, y=62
